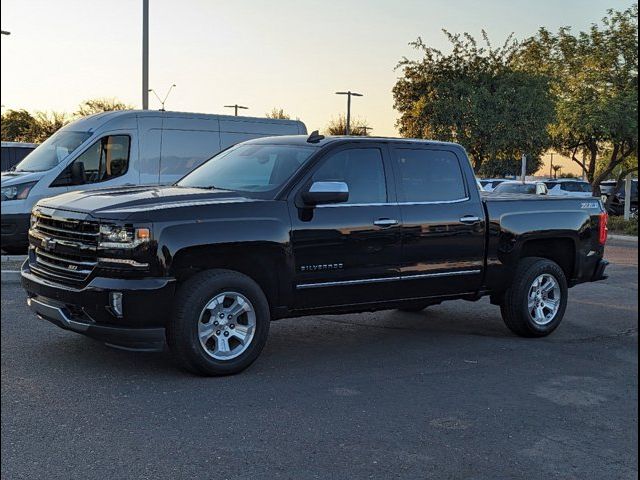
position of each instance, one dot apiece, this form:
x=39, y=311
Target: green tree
x=48, y=123
x=17, y=126
x=278, y=113
x=99, y=105
x=478, y=97
x=595, y=85
x=338, y=126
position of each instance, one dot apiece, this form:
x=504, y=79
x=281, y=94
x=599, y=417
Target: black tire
x=190, y=300
x=514, y=308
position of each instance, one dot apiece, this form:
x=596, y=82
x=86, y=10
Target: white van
x=130, y=147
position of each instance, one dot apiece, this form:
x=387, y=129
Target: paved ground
x=447, y=393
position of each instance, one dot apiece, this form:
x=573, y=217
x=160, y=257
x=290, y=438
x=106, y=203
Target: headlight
x=123, y=236
x=16, y=192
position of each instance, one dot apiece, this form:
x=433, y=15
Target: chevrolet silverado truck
x=292, y=226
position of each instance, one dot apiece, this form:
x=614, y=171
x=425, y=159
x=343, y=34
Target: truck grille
x=64, y=250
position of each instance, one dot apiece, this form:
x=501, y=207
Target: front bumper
x=146, y=307
x=14, y=230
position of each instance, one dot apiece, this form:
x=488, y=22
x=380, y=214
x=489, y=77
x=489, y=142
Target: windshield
x=53, y=151
x=515, y=188
x=249, y=168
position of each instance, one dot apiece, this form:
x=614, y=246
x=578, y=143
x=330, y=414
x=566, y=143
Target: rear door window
x=429, y=176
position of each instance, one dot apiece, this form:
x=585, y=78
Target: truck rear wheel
x=220, y=323
x=536, y=302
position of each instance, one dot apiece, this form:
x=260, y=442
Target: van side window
x=429, y=176
x=107, y=158
x=361, y=169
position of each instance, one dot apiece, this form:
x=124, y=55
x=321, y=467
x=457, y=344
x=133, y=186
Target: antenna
x=162, y=100
x=315, y=137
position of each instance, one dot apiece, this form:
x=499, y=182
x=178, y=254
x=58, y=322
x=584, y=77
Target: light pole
x=236, y=107
x=162, y=100
x=365, y=130
x=145, y=54
x=349, y=94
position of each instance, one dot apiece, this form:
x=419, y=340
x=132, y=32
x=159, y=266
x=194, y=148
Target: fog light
x=116, y=303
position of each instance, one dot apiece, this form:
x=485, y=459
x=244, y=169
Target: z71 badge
x=589, y=205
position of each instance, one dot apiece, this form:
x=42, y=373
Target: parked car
x=489, y=184
x=291, y=226
x=13, y=153
x=121, y=148
x=617, y=204
x=514, y=186
x=569, y=188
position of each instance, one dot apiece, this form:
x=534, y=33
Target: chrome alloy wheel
x=227, y=325
x=544, y=299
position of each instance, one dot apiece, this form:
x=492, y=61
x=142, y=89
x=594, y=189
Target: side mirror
x=78, y=176
x=326, y=193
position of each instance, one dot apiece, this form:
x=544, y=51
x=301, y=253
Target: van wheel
x=535, y=304
x=220, y=323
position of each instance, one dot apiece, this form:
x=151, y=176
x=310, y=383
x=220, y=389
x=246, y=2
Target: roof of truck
x=302, y=140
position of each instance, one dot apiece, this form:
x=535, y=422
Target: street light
x=145, y=54
x=349, y=94
x=236, y=107
x=4, y=32
x=163, y=100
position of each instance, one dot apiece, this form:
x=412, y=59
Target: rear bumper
x=14, y=230
x=146, y=307
x=599, y=273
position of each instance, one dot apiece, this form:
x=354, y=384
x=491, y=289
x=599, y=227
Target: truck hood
x=122, y=201
x=17, y=177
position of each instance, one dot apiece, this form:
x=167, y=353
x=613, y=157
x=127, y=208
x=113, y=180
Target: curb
x=624, y=238
x=14, y=258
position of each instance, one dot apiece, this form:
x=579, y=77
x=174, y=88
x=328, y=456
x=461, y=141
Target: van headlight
x=123, y=236
x=16, y=192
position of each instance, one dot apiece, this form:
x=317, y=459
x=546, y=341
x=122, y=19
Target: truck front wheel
x=219, y=324
x=536, y=302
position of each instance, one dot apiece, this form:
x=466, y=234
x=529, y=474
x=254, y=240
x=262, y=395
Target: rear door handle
x=470, y=219
x=385, y=222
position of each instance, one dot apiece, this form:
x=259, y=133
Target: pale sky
x=292, y=54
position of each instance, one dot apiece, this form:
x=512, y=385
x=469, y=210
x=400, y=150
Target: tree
x=556, y=170
x=278, y=113
x=48, y=123
x=478, y=97
x=338, y=126
x=17, y=126
x=595, y=85
x=99, y=105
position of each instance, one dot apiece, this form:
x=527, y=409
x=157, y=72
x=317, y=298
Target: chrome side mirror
x=322, y=193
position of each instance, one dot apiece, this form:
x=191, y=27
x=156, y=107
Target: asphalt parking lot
x=445, y=393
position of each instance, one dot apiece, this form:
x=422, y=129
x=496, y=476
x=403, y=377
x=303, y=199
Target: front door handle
x=385, y=222
x=470, y=219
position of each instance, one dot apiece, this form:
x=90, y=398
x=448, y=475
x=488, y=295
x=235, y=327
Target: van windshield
x=53, y=151
x=249, y=168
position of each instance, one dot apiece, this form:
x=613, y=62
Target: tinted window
x=576, y=186
x=516, y=188
x=184, y=150
x=361, y=169
x=430, y=175
x=106, y=159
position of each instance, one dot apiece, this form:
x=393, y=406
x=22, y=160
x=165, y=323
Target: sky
x=290, y=54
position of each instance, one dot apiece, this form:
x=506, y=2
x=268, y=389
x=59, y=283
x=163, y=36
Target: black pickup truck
x=291, y=226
